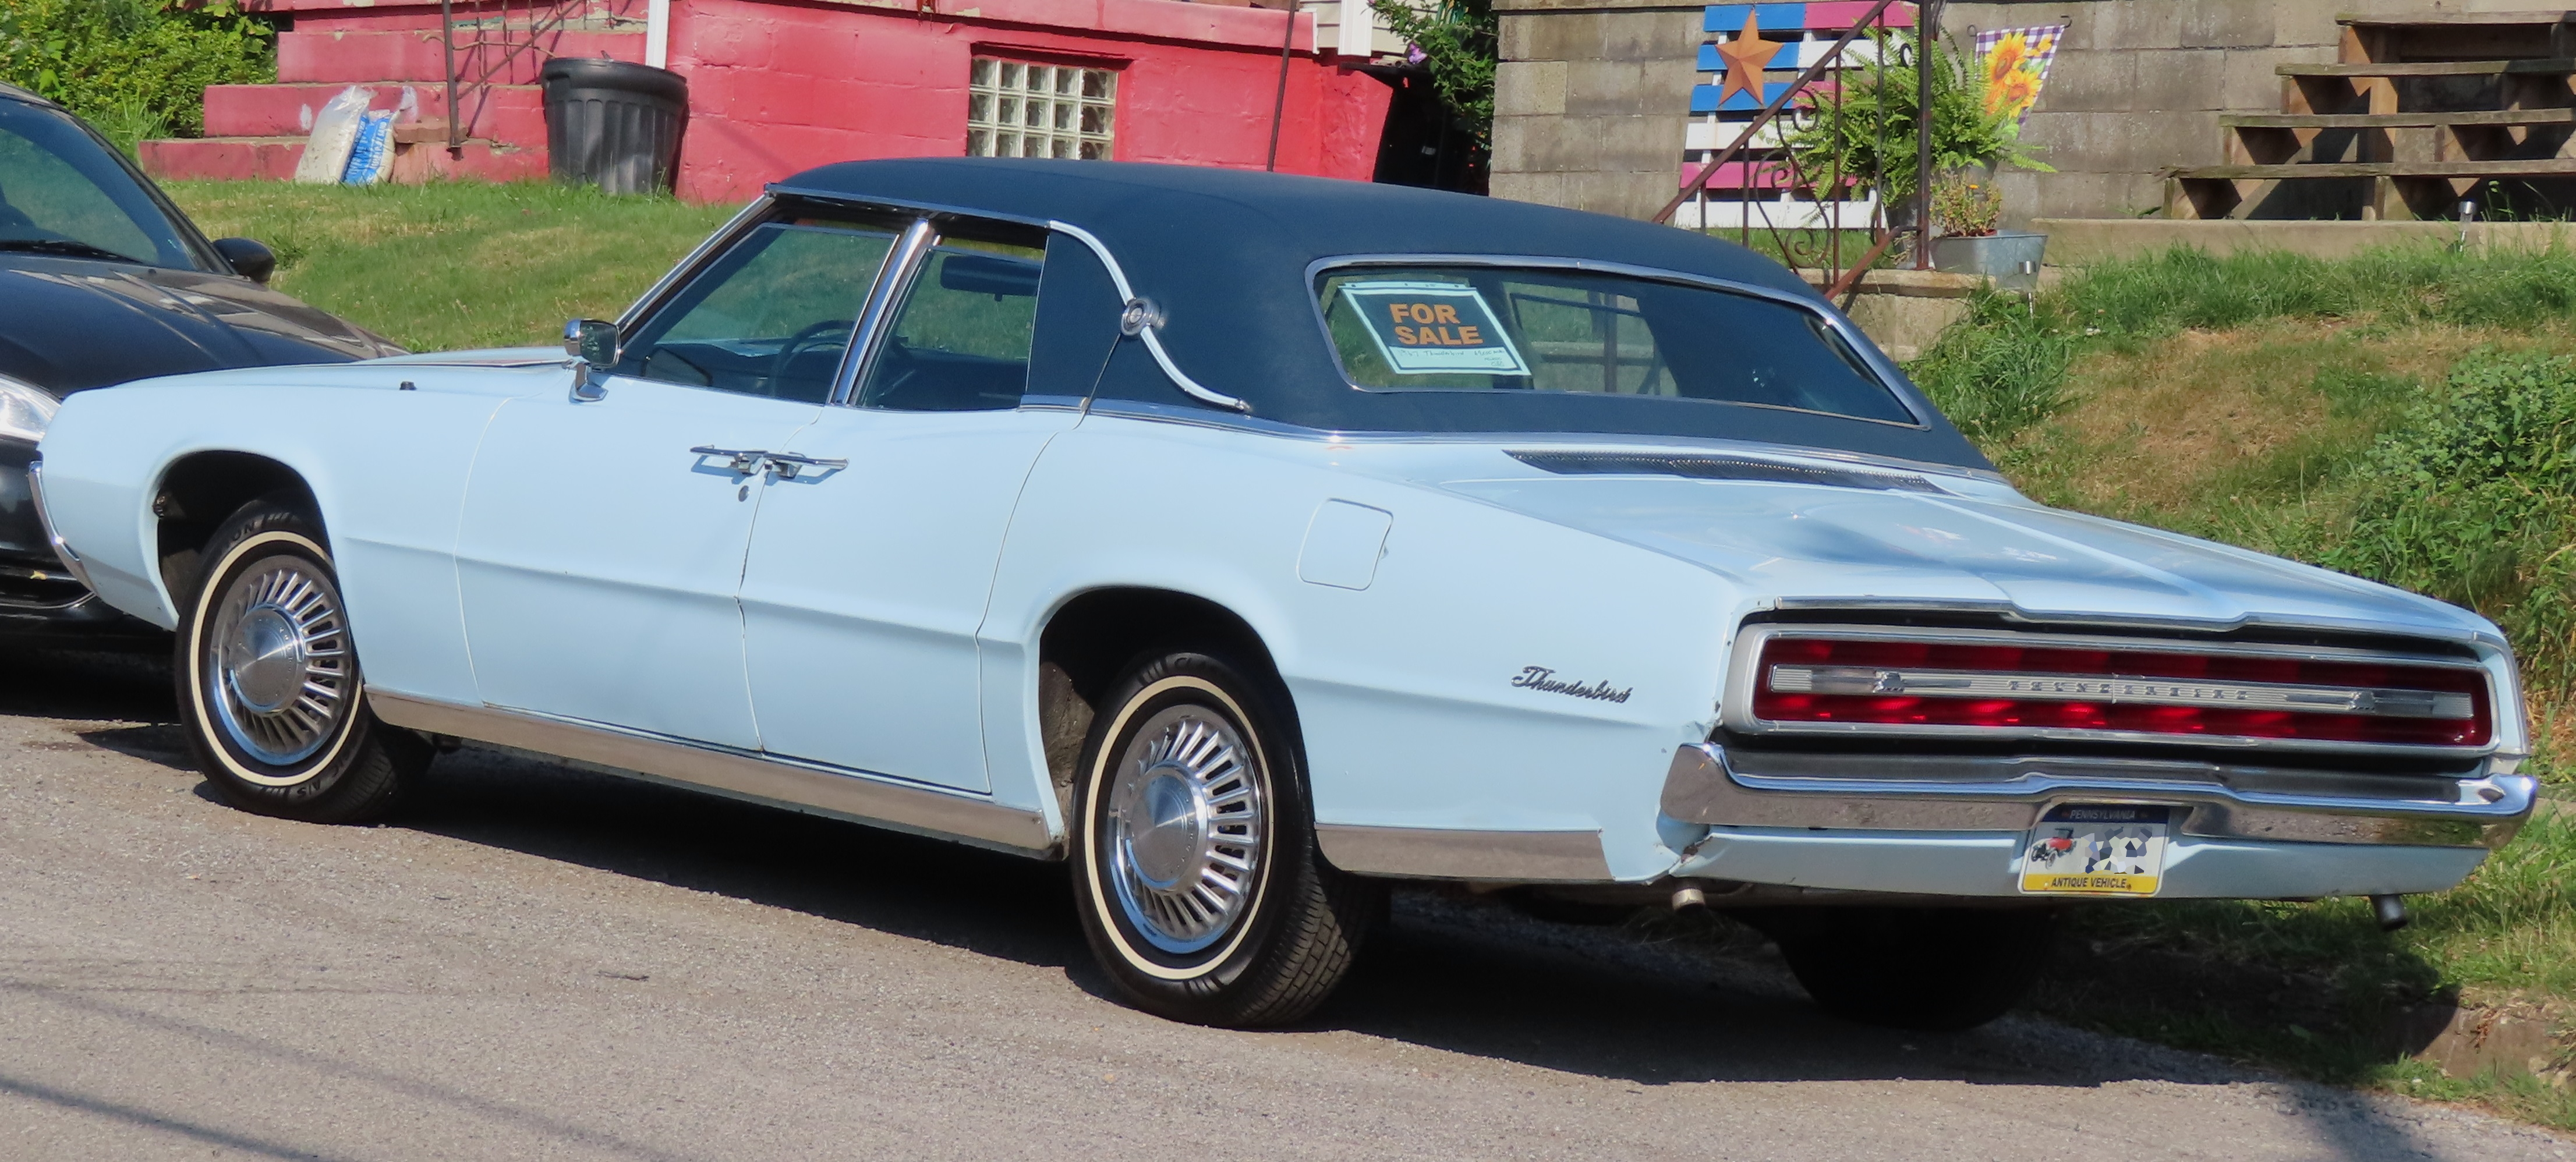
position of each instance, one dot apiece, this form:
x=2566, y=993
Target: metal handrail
x=1844, y=280
x=491, y=46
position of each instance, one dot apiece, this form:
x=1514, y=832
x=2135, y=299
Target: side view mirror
x=593, y=341
x=248, y=259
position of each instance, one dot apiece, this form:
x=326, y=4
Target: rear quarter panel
x=1404, y=689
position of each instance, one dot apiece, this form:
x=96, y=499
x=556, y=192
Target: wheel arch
x=1093, y=636
x=198, y=489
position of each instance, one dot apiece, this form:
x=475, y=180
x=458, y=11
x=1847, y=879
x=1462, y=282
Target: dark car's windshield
x=1492, y=330
x=61, y=192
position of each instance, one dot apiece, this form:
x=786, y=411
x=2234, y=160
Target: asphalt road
x=535, y=962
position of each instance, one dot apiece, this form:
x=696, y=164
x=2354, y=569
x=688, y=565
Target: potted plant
x=1966, y=208
x=1861, y=132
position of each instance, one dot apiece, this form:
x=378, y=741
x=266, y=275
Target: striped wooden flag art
x=1752, y=56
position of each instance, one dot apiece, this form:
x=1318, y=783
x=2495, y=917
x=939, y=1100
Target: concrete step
x=510, y=114
x=419, y=56
x=274, y=158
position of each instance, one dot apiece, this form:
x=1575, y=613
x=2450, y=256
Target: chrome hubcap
x=1185, y=825
x=278, y=656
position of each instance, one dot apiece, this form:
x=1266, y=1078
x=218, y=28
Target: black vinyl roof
x=1225, y=253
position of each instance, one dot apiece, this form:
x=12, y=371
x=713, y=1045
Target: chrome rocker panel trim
x=1519, y=857
x=841, y=794
x=1705, y=785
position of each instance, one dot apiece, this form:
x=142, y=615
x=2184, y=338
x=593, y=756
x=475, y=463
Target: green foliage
x=2148, y=298
x=2000, y=371
x=2472, y=499
x=1458, y=41
x=1863, y=128
x=135, y=68
x=1966, y=207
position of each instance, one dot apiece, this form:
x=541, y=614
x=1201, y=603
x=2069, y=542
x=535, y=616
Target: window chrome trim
x=1153, y=342
x=876, y=313
x=838, y=792
x=1886, y=372
x=723, y=239
x=1735, y=708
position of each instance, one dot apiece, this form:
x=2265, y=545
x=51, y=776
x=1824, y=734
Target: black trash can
x=614, y=124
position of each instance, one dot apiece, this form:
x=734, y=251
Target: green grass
x=2408, y=415
x=461, y=265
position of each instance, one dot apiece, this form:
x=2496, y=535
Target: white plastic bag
x=335, y=133
x=372, y=154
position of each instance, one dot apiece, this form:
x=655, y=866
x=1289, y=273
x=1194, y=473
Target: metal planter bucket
x=2012, y=260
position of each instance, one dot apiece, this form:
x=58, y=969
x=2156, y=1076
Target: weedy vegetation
x=2408, y=415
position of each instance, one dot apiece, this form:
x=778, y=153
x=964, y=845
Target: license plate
x=2084, y=849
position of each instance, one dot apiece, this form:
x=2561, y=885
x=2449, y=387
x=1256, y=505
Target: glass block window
x=1018, y=109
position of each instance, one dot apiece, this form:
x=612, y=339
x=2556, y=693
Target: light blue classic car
x=1252, y=542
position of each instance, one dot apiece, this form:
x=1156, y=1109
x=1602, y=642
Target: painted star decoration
x=1746, y=56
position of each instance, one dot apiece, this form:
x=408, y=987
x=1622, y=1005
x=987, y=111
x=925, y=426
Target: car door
x=603, y=537
x=868, y=573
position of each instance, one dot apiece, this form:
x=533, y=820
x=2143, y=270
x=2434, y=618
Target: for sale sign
x=1427, y=328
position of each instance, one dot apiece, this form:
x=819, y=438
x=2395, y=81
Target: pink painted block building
x=776, y=86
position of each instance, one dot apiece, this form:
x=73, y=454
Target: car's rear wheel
x=269, y=689
x=1196, y=874
x=1914, y=968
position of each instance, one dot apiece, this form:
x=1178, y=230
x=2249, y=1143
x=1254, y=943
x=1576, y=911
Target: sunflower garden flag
x=2016, y=61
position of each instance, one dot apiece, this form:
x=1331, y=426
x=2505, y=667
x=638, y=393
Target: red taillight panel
x=2148, y=691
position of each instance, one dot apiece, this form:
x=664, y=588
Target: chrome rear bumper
x=1879, y=792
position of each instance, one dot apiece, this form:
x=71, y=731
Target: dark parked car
x=103, y=280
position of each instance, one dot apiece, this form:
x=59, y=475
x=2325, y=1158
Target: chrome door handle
x=785, y=465
x=744, y=461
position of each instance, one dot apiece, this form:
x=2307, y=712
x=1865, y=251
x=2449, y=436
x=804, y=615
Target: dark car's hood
x=67, y=324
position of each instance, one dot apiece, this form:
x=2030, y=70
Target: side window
x=770, y=318
x=961, y=340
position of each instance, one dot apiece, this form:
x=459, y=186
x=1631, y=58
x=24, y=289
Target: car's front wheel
x=1914, y=968
x=1196, y=874
x=269, y=689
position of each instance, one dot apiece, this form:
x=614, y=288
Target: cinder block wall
x=1591, y=100
x=1592, y=95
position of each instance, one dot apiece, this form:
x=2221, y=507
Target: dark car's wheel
x=1196, y=874
x=269, y=689
x=1914, y=968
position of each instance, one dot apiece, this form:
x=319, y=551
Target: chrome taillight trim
x=1735, y=710
x=2045, y=687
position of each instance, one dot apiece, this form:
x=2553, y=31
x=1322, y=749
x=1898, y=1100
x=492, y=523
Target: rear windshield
x=1494, y=330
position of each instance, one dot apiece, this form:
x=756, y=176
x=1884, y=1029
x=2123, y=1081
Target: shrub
x=2472, y=499
x=134, y=68
x=1458, y=41
x=1862, y=127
